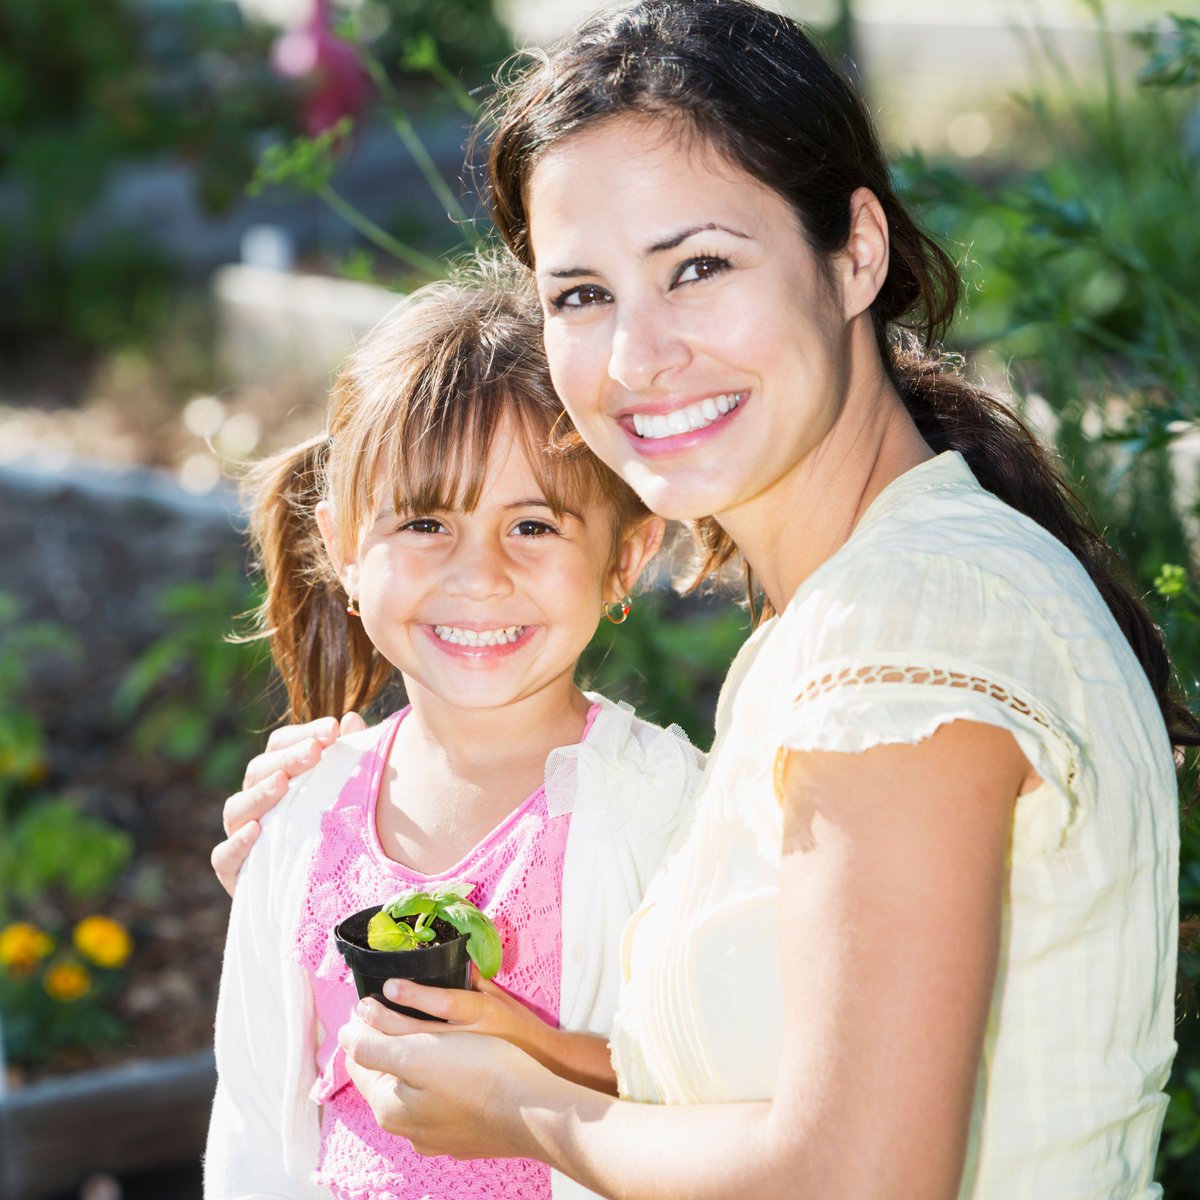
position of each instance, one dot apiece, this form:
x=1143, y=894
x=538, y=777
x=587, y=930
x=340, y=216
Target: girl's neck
x=788, y=531
x=455, y=775
x=472, y=743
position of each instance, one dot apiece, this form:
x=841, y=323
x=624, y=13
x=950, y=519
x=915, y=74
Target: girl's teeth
x=684, y=420
x=478, y=637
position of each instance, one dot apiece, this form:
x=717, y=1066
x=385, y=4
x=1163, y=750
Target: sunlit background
x=203, y=203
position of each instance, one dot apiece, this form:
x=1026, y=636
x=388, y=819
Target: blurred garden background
x=204, y=202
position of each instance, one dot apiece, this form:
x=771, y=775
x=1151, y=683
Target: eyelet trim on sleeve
x=855, y=707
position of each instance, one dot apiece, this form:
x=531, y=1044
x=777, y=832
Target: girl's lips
x=481, y=653
x=674, y=443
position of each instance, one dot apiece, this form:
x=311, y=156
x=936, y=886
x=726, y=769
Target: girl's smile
x=487, y=607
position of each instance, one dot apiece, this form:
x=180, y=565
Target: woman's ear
x=345, y=569
x=863, y=261
x=638, y=547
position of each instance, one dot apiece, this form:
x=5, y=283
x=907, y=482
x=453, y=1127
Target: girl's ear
x=863, y=261
x=638, y=547
x=346, y=569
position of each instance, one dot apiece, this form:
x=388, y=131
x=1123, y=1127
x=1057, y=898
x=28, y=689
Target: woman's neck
x=788, y=531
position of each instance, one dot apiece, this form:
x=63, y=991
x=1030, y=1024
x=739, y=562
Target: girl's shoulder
x=309, y=795
x=632, y=768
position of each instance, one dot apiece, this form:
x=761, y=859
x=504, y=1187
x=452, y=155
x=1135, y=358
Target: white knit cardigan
x=628, y=786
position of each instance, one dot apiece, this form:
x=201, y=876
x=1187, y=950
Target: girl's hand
x=489, y=1010
x=291, y=750
x=447, y=1093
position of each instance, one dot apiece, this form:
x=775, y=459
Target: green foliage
x=52, y=856
x=667, y=660
x=405, y=923
x=193, y=690
x=1175, y=60
x=53, y=844
x=87, y=86
x=37, y=1026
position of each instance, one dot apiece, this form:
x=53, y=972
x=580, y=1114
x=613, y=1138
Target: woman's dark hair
x=752, y=85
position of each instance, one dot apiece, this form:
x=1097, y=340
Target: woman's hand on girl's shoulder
x=291, y=750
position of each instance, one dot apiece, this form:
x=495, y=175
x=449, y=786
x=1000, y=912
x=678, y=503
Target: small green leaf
x=410, y=902
x=385, y=934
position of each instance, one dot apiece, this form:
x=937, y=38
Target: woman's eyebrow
x=667, y=243
x=682, y=236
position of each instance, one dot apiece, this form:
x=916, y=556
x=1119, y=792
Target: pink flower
x=337, y=84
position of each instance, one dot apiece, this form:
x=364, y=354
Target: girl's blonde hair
x=412, y=419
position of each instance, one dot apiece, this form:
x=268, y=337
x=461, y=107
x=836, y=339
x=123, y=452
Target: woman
x=920, y=938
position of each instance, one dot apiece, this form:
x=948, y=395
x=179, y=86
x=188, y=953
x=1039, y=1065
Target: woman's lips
x=681, y=428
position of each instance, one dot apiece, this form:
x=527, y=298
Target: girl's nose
x=646, y=344
x=479, y=572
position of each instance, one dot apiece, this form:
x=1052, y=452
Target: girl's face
x=488, y=608
x=693, y=335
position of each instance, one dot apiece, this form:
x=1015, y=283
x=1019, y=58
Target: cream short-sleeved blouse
x=944, y=604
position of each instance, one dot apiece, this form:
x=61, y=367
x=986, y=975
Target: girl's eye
x=532, y=528
x=423, y=525
x=583, y=296
x=704, y=266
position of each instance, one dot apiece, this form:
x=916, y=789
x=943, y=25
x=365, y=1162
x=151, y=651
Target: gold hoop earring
x=617, y=611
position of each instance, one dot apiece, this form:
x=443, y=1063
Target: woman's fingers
x=323, y=729
x=253, y=802
x=351, y=723
x=228, y=857
x=291, y=750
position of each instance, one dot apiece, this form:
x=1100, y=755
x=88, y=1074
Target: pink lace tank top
x=517, y=873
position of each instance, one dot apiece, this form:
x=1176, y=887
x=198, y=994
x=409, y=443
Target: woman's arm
x=291, y=750
x=892, y=876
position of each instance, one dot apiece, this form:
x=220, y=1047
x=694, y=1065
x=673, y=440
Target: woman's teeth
x=684, y=420
x=478, y=637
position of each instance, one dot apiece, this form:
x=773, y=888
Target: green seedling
x=406, y=923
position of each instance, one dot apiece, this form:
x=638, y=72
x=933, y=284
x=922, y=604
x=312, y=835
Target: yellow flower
x=23, y=946
x=105, y=941
x=67, y=981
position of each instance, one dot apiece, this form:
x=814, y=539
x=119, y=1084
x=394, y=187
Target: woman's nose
x=646, y=345
x=479, y=571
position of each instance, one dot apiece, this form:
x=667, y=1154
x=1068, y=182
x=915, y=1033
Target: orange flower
x=105, y=941
x=23, y=946
x=67, y=981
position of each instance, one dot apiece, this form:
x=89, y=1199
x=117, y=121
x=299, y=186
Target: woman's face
x=695, y=338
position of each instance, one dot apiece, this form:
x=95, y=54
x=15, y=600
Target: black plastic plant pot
x=443, y=964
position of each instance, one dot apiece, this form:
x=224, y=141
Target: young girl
x=453, y=547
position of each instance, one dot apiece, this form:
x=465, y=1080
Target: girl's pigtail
x=326, y=660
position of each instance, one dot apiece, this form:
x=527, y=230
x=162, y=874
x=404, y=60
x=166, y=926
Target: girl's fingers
x=450, y=1004
x=384, y=1020
x=228, y=857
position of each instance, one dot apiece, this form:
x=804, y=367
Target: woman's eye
x=423, y=525
x=532, y=528
x=703, y=267
x=583, y=296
